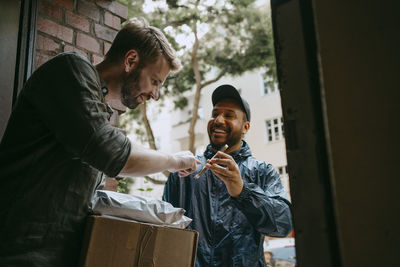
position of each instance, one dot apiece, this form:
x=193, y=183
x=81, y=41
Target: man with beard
x=59, y=142
x=239, y=199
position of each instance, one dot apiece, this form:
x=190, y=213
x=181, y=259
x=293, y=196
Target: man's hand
x=183, y=162
x=229, y=174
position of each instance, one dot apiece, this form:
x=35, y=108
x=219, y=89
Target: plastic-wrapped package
x=138, y=208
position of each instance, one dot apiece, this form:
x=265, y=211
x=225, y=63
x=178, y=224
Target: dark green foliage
x=134, y=7
x=238, y=39
x=124, y=185
x=234, y=36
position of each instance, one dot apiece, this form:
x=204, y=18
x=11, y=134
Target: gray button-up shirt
x=57, y=143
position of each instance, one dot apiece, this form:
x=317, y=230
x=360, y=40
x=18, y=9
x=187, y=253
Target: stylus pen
x=197, y=176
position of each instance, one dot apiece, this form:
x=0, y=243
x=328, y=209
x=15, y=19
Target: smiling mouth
x=219, y=131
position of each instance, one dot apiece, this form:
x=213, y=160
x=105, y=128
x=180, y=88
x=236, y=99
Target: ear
x=131, y=60
x=246, y=127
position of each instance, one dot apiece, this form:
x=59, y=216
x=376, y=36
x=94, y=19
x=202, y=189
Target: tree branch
x=177, y=23
x=219, y=76
x=198, y=89
x=155, y=181
x=194, y=57
x=174, y=4
x=149, y=131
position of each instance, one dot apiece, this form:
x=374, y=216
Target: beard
x=231, y=139
x=130, y=89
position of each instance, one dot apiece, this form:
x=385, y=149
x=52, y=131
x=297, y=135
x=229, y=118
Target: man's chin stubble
x=129, y=104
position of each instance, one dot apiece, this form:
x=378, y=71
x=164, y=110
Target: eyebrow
x=231, y=110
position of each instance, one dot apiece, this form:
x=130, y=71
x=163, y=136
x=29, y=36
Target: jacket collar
x=242, y=153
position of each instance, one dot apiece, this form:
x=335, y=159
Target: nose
x=219, y=119
x=154, y=94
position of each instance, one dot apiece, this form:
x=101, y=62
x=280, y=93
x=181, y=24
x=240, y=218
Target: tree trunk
x=150, y=135
x=197, y=94
x=192, y=134
x=149, y=131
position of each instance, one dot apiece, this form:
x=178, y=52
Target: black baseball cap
x=228, y=91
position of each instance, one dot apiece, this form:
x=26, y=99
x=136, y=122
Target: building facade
x=265, y=137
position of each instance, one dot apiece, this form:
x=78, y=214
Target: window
x=269, y=85
x=274, y=129
x=283, y=171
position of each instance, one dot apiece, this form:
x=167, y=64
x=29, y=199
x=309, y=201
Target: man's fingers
x=223, y=155
x=182, y=174
x=221, y=172
x=227, y=162
x=216, y=168
x=186, y=172
x=184, y=161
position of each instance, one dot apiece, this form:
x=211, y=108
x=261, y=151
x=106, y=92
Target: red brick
x=96, y=59
x=104, y=33
x=114, y=7
x=54, y=29
x=69, y=48
x=50, y=10
x=89, y=9
x=112, y=21
x=106, y=47
x=41, y=59
x=66, y=3
x=47, y=44
x=111, y=184
x=77, y=21
x=87, y=42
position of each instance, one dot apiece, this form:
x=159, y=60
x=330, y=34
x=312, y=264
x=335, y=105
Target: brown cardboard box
x=111, y=241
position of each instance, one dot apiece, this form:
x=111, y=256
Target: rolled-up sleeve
x=107, y=150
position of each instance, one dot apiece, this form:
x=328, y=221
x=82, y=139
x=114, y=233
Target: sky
x=187, y=40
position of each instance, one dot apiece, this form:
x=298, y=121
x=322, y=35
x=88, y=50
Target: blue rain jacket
x=231, y=230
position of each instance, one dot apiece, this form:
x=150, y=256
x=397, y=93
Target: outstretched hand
x=183, y=162
x=229, y=174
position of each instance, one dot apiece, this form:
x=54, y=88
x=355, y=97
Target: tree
x=124, y=185
x=222, y=38
x=227, y=38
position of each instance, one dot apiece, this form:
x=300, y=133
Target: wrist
x=171, y=163
x=244, y=194
x=237, y=189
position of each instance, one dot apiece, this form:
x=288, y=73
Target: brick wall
x=84, y=26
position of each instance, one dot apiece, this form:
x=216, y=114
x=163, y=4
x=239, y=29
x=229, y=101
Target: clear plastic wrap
x=138, y=208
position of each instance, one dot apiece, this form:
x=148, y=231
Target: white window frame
x=274, y=132
x=266, y=90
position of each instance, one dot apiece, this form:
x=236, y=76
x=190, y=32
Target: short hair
x=148, y=41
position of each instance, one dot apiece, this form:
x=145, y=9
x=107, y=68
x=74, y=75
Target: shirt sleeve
x=267, y=209
x=66, y=94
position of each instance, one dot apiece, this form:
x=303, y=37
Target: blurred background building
x=265, y=137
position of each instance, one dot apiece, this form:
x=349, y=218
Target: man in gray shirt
x=59, y=141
